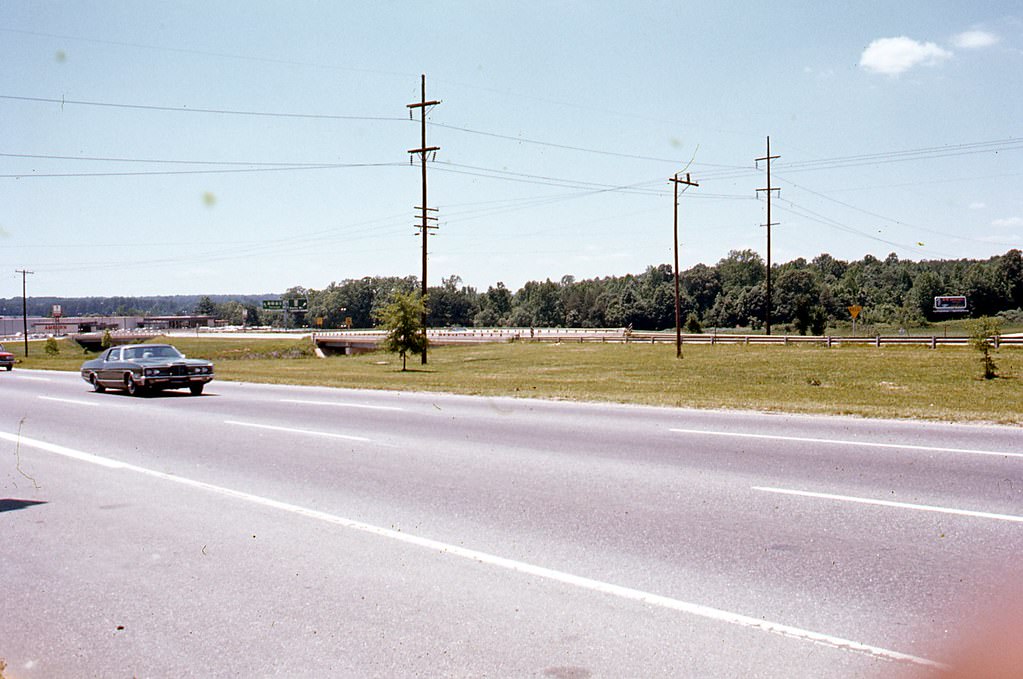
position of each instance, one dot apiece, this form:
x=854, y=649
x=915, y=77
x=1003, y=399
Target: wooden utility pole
x=425, y=226
x=687, y=182
x=768, y=189
x=24, y=305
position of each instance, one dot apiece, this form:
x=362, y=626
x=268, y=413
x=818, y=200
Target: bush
x=981, y=331
x=51, y=348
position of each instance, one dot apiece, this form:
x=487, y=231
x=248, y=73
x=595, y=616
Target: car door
x=110, y=371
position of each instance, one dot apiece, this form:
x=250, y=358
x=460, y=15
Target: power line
x=806, y=213
x=155, y=161
x=525, y=140
x=882, y=158
x=186, y=109
x=891, y=219
x=51, y=175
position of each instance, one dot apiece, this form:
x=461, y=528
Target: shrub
x=982, y=330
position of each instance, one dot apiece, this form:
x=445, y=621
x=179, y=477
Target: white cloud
x=1008, y=222
x=893, y=56
x=975, y=39
x=978, y=205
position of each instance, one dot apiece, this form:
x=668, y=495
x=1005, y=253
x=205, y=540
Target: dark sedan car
x=140, y=368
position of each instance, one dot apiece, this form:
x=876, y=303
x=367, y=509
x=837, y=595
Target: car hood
x=161, y=362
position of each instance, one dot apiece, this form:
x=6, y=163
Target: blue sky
x=230, y=147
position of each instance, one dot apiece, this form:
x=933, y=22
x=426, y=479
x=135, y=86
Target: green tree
x=741, y=269
x=495, y=307
x=106, y=341
x=51, y=348
x=799, y=301
x=402, y=318
x=1010, y=269
x=233, y=312
x=205, y=306
x=926, y=286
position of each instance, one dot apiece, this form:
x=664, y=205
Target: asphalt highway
x=262, y=530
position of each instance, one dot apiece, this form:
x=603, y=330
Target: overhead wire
x=218, y=111
x=332, y=166
x=809, y=214
x=890, y=219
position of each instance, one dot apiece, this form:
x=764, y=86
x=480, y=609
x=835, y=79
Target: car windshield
x=135, y=353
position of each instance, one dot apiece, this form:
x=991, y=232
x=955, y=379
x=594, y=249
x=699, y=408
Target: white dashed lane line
x=890, y=503
x=340, y=404
x=292, y=430
x=844, y=442
x=72, y=401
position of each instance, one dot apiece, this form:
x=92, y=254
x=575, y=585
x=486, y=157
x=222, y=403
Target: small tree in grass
x=51, y=347
x=402, y=318
x=982, y=330
x=106, y=341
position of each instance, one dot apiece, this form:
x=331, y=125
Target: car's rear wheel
x=9, y=368
x=96, y=386
x=196, y=389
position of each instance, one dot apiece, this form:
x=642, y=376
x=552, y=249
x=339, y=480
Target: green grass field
x=901, y=382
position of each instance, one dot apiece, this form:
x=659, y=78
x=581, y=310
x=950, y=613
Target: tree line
x=807, y=297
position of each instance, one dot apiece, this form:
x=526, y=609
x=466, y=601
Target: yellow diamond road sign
x=855, y=310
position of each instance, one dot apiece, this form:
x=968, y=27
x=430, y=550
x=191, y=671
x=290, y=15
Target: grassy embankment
x=902, y=381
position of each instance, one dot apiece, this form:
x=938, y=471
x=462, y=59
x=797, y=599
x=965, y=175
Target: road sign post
x=854, y=311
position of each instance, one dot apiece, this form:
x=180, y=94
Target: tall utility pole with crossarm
x=687, y=182
x=425, y=226
x=768, y=189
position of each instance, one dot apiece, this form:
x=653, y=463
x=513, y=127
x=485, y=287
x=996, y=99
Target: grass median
x=896, y=381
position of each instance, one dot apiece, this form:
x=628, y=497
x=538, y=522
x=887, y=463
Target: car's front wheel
x=196, y=389
x=133, y=387
x=96, y=386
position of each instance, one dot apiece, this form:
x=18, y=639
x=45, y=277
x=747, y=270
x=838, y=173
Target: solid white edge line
x=291, y=430
x=843, y=442
x=61, y=450
x=339, y=404
x=891, y=503
x=69, y=400
x=34, y=379
x=501, y=562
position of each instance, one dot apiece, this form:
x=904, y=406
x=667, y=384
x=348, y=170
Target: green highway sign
x=273, y=304
x=299, y=304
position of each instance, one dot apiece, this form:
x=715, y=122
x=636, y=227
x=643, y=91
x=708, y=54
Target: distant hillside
x=122, y=306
